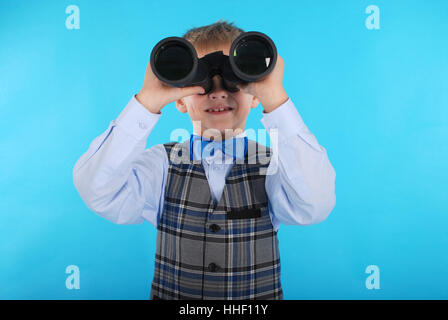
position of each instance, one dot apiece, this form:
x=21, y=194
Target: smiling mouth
x=220, y=110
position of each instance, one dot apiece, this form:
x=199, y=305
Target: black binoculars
x=252, y=56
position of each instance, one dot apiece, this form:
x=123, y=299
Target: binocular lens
x=174, y=61
x=253, y=56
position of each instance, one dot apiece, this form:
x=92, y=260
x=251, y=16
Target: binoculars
x=252, y=56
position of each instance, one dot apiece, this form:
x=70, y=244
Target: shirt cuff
x=136, y=120
x=289, y=124
x=286, y=119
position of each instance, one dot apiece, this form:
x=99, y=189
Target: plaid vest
x=208, y=250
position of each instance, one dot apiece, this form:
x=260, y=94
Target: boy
x=216, y=220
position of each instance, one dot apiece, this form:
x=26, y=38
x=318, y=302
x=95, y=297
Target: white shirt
x=122, y=181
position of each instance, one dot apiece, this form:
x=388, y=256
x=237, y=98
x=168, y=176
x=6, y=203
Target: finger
x=188, y=91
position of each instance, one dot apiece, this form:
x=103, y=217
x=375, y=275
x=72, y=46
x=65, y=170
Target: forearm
x=302, y=186
x=107, y=174
x=308, y=177
x=106, y=159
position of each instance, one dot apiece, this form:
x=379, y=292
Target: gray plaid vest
x=209, y=250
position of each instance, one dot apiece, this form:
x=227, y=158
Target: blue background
x=377, y=100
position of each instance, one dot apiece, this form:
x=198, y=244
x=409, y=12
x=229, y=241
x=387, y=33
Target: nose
x=218, y=91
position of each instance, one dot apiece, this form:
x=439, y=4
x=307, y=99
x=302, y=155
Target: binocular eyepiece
x=252, y=56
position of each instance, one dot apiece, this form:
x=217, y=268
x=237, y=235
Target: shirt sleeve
x=300, y=180
x=116, y=177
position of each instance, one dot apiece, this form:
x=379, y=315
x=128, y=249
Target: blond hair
x=213, y=35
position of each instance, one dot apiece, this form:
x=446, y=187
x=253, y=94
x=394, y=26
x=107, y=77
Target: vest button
x=213, y=267
x=214, y=228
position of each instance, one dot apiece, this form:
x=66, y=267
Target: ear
x=180, y=105
x=255, y=102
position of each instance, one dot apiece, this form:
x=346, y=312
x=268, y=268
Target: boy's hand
x=269, y=91
x=154, y=94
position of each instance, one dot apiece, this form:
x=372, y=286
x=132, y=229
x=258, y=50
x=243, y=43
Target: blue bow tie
x=236, y=147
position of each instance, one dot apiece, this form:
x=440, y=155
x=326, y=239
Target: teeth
x=219, y=109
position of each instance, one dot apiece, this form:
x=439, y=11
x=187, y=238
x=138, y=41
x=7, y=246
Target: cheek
x=244, y=103
x=194, y=104
x=244, y=99
x=243, y=111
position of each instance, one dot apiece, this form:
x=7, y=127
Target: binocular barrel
x=252, y=56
